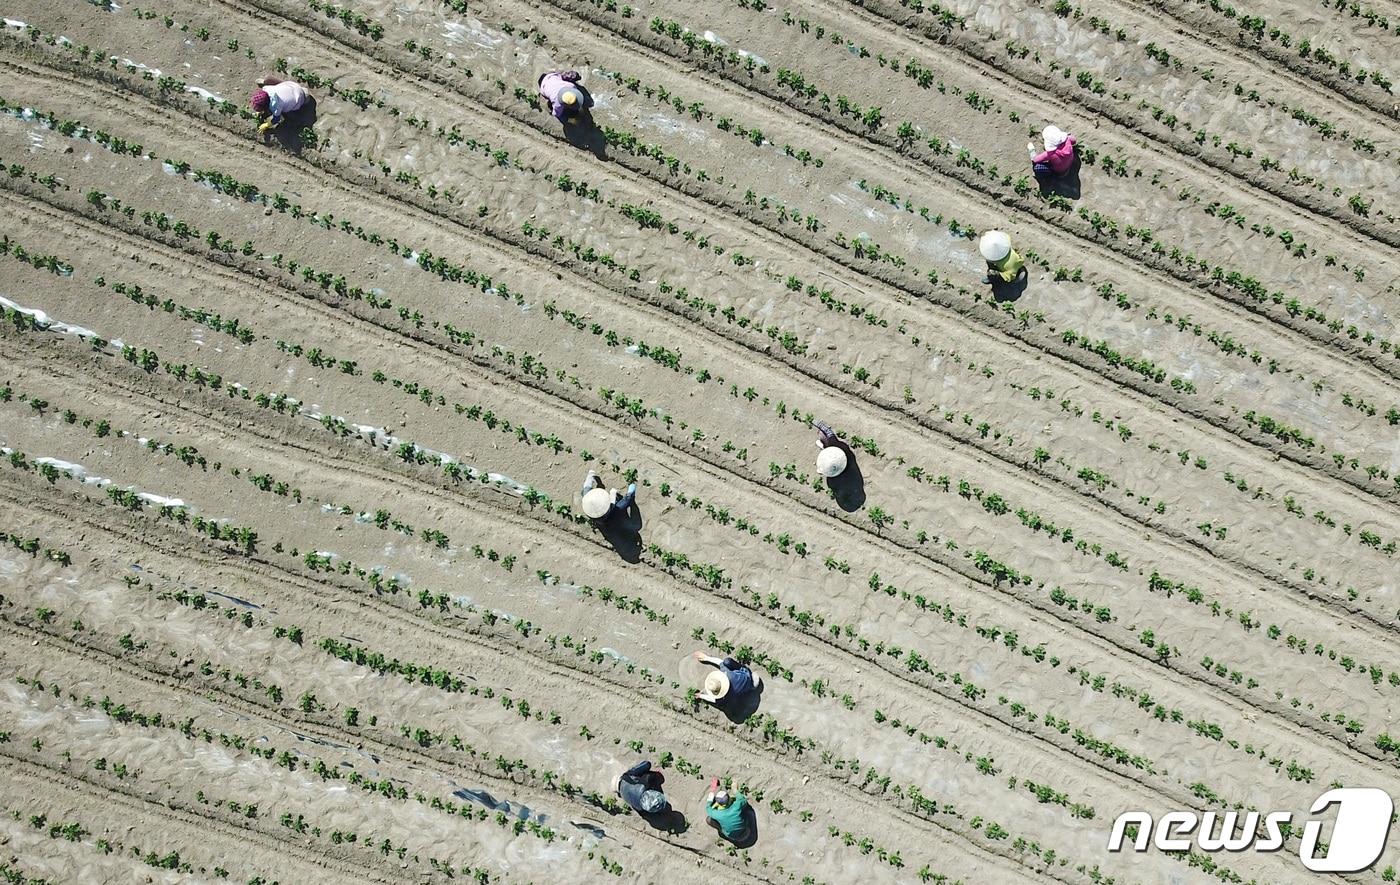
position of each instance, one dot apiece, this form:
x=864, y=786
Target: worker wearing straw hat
x=1003, y=262
x=600, y=503
x=831, y=454
x=731, y=681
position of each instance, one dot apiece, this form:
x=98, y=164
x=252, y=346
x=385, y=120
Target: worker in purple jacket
x=567, y=99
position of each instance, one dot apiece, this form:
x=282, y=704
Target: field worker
x=731, y=681
x=831, y=457
x=1058, y=155
x=565, y=96
x=600, y=503
x=725, y=812
x=640, y=788
x=275, y=99
x=1003, y=262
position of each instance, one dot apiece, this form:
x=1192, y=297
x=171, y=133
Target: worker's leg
x=625, y=501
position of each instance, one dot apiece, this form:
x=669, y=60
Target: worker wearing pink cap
x=274, y=99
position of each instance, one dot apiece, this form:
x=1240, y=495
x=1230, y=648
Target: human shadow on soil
x=288, y=135
x=671, y=821
x=623, y=531
x=849, y=485
x=584, y=134
x=749, y=837
x=1065, y=185
x=1003, y=291
x=740, y=709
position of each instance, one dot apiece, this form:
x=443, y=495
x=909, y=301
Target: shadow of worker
x=745, y=838
x=1066, y=184
x=622, y=529
x=848, y=486
x=584, y=134
x=1002, y=291
x=670, y=821
x=739, y=709
x=289, y=133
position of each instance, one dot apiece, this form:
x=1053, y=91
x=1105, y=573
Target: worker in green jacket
x=725, y=812
x=1003, y=262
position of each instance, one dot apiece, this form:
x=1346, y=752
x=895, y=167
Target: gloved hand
x=266, y=127
x=1030, y=146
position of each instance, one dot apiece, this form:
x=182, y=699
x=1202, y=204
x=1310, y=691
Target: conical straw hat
x=831, y=461
x=717, y=684
x=994, y=245
x=597, y=503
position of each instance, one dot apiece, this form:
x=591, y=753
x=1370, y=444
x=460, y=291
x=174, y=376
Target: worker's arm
x=639, y=770
x=590, y=483
x=706, y=659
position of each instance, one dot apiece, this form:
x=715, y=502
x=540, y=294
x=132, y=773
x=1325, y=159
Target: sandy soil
x=292, y=583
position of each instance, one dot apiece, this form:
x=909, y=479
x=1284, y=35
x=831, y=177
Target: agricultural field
x=294, y=580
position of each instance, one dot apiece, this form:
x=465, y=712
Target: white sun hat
x=597, y=503
x=1053, y=137
x=994, y=245
x=717, y=684
x=831, y=461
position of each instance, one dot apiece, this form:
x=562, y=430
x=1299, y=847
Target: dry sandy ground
x=293, y=585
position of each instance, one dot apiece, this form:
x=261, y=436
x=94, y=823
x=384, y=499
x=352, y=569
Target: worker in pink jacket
x=1058, y=156
x=567, y=99
x=274, y=99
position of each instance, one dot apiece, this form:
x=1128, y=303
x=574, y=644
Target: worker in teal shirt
x=726, y=812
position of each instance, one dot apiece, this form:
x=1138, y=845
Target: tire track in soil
x=575, y=678
x=1052, y=347
x=953, y=696
x=172, y=812
x=977, y=577
x=892, y=405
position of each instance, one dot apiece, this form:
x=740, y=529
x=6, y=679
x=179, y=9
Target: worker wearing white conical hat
x=1058, y=156
x=1003, y=262
x=599, y=503
x=831, y=452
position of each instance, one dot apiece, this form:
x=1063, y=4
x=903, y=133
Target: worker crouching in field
x=729, y=813
x=1004, y=264
x=640, y=788
x=274, y=99
x=1058, y=156
x=567, y=99
x=600, y=504
x=729, y=683
x=831, y=452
